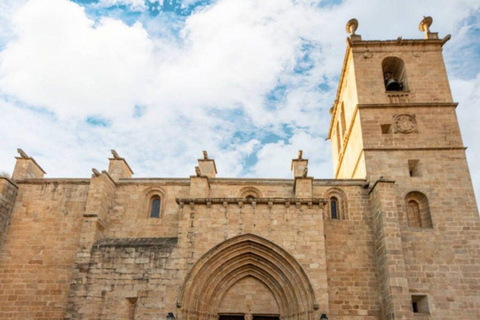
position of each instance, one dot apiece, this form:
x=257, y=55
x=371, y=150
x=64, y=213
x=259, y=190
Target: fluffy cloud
x=226, y=78
x=78, y=69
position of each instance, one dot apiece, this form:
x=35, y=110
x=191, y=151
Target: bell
x=393, y=85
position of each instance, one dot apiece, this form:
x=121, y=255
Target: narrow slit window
x=132, y=305
x=344, y=121
x=413, y=168
x=334, y=208
x=339, y=141
x=155, y=207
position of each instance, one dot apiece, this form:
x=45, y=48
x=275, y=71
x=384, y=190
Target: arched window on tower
x=418, y=210
x=394, y=74
x=334, y=214
x=155, y=207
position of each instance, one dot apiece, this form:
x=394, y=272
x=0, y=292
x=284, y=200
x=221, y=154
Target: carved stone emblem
x=404, y=123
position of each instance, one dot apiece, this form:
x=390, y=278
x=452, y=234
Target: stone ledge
x=408, y=105
x=269, y=201
x=138, y=242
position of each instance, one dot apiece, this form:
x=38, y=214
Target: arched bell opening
x=247, y=256
x=394, y=74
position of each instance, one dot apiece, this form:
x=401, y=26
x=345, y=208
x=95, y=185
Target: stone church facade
x=396, y=234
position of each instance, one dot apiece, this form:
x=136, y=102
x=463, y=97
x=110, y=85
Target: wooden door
x=231, y=317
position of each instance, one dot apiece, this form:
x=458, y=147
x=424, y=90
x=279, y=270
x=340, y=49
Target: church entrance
x=262, y=317
x=231, y=317
x=243, y=317
x=247, y=278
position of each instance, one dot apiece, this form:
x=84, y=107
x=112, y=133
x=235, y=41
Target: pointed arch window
x=155, y=207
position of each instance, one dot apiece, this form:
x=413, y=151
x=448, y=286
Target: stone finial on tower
x=118, y=167
x=351, y=27
x=26, y=167
x=299, y=165
x=424, y=26
x=207, y=166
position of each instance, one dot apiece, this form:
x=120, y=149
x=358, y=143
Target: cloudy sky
x=251, y=81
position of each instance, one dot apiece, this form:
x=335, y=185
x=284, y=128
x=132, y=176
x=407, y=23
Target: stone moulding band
x=283, y=201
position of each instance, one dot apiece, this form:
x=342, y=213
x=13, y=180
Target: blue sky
x=160, y=81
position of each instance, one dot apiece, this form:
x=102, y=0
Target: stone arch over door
x=247, y=256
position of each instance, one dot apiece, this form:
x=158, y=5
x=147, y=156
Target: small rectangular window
x=386, y=128
x=420, y=304
x=414, y=168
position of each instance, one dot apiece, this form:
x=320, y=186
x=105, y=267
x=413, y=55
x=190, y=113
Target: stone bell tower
x=394, y=111
x=394, y=124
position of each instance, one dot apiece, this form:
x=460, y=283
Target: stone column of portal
x=8, y=194
x=83, y=304
x=303, y=189
x=389, y=253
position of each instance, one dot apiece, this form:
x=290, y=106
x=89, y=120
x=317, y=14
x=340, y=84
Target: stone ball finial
x=352, y=26
x=425, y=24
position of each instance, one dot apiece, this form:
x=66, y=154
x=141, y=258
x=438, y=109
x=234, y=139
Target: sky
x=249, y=81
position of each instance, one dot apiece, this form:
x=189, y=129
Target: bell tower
x=394, y=115
x=394, y=124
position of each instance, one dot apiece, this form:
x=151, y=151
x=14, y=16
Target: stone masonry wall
x=129, y=279
x=37, y=256
x=351, y=269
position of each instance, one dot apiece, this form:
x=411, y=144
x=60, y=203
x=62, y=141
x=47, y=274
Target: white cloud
x=274, y=159
x=77, y=69
x=134, y=5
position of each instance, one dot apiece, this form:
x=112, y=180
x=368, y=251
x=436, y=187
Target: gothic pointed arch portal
x=241, y=257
